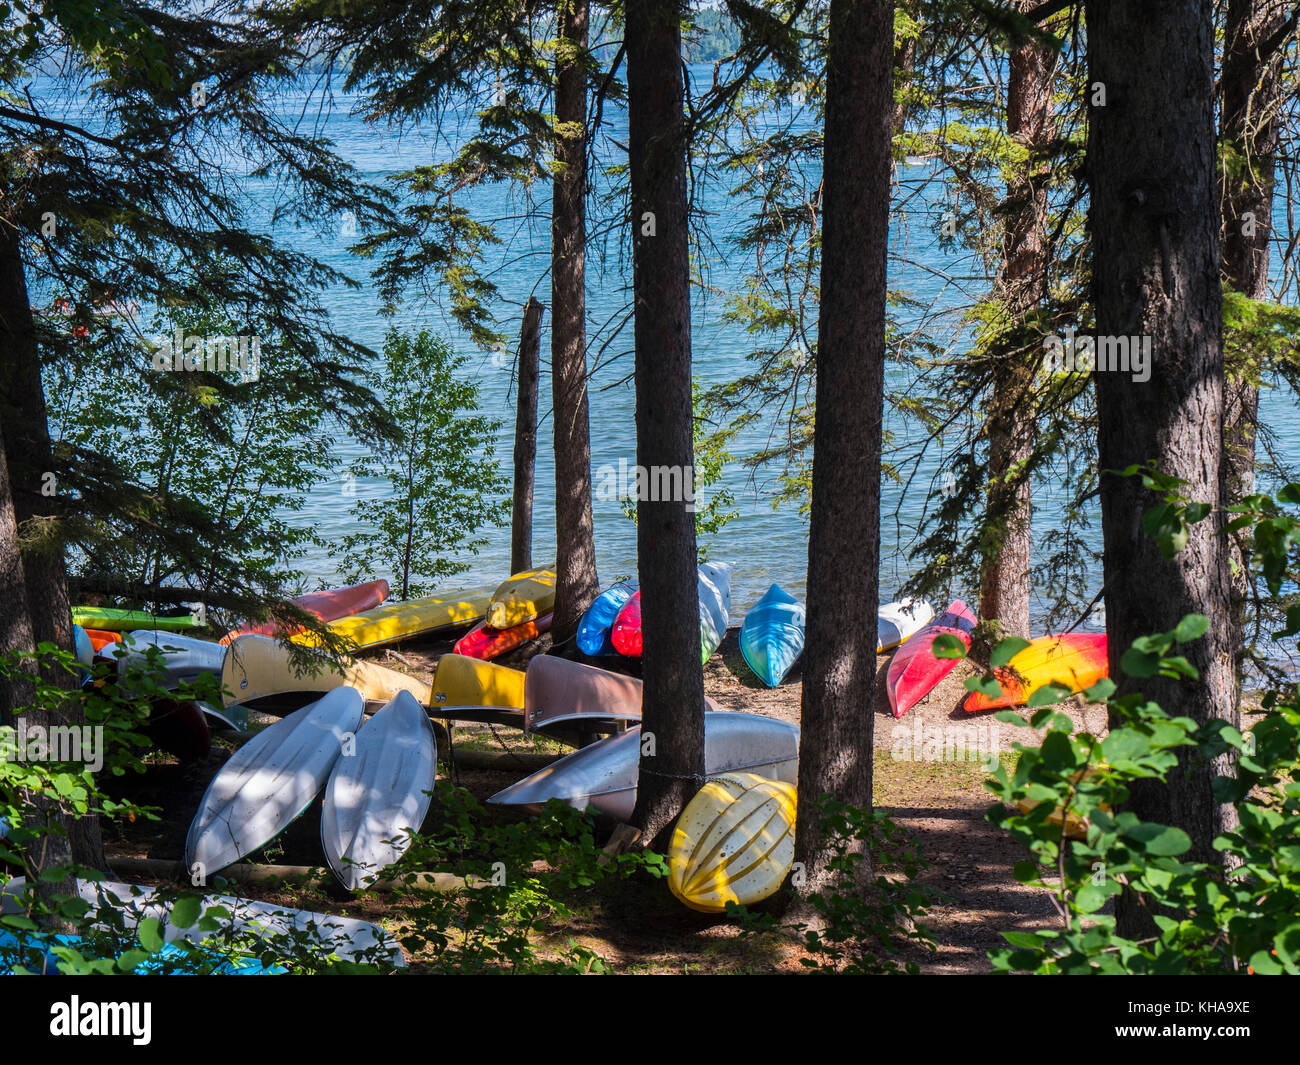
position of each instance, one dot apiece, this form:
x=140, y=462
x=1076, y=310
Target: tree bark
x=24, y=435
x=672, y=730
x=1251, y=86
x=838, y=718
x=1154, y=218
x=576, y=581
x=1022, y=286
x=521, y=514
x=15, y=625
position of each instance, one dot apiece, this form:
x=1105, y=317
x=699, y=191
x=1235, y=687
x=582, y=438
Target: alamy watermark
x=654, y=484
x=920, y=742
x=1068, y=353
x=216, y=354
x=53, y=743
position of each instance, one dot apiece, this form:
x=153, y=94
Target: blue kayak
x=593, y=629
x=771, y=638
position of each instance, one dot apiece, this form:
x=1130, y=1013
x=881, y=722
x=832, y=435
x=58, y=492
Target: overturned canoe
x=269, y=781
x=558, y=691
x=463, y=681
x=325, y=606
x=379, y=792
x=183, y=658
x=915, y=670
x=626, y=633
x=521, y=598
x=593, y=636
x=415, y=617
x=604, y=774
x=110, y=619
x=258, y=667
x=771, y=636
x=898, y=621
x=1076, y=660
x=487, y=643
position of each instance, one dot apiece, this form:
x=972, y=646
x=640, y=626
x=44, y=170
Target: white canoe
x=604, y=774
x=269, y=781
x=898, y=621
x=720, y=574
x=344, y=937
x=379, y=792
x=184, y=658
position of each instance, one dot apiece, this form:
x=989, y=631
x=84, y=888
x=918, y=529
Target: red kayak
x=915, y=671
x=625, y=634
x=327, y=606
x=485, y=643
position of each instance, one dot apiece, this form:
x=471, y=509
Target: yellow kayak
x=522, y=598
x=734, y=842
x=416, y=617
x=258, y=666
x=464, y=681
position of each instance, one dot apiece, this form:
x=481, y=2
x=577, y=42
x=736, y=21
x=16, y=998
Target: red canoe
x=625, y=634
x=485, y=643
x=915, y=671
x=328, y=606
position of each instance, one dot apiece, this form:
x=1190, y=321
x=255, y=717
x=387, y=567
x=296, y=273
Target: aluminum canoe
x=184, y=658
x=558, y=691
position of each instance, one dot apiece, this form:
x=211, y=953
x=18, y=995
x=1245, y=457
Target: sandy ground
x=940, y=801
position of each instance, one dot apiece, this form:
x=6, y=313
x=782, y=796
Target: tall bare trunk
x=1251, y=87
x=1022, y=285
x=672, y=752
x=521, y=514
x=838, y=723
x=1154, y=217
x=576, y=583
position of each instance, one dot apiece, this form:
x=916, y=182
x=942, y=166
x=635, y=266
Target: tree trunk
x=1251, y=85
x=521, y=515
x=1154, y=219
x=1022, y=286
x=15, y=625
x=576, y=581
x=838, y=710
x=26, y=442
x=672, y=730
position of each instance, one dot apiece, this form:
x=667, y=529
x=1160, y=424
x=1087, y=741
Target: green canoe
x=109, y=619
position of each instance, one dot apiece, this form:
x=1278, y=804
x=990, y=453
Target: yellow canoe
x=416, y=617
x=521, y=598
x=464, y=681
x=258, y=666
x=734, y=842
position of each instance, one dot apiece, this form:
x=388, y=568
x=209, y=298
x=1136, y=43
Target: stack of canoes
x=612, y=624
x=519, y=611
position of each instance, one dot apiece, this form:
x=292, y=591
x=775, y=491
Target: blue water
x=766, y=545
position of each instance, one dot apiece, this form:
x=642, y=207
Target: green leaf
x=1025, y=871
x=150, y=935
x=1049, y=694
x=1192, y=627
x=1160, y=839
x=1006, y=650
x=947, y=645
x=185, y=911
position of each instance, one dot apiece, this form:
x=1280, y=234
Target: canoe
x=625, y=633
x=488, y=643
x=914, y=671
x=734, y=842
x=463, y=681
x=713, y=582
x=379, y=793
x=898, y=621
x=594, y=627
x=626, y=636
x=99, y=639
x=258, y=666
x=269, y=781
x=344, y=937
x=183, y=658
x=771, y=636
x=180, y=728
x=327, y=606
x=604, y=774
x=415, y=617
x=522, y=597
x=1076, y=660
x=110, y=619
x=559, y=691
x=233, y=716
x=82, y=647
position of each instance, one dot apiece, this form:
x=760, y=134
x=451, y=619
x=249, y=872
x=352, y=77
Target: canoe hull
x=1076, y=659
x=416, y=617
x=258, y=667
x=487, y=643
x=896, y=622
x=522, y=597
x=593, y=637
x=463, y=681
x=771, y=636
x=914, y=671
x=326, y=606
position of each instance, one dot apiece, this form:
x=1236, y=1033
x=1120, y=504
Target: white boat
x=324, y=933
x=604, y=774
x=898, y=621
x=270, y=780
x=184, y=658
x=379, y=792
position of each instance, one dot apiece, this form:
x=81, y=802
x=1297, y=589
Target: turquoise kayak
x=771, y=638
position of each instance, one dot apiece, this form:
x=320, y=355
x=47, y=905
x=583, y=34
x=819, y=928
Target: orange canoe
x=328, y=606
x=99, y=639
x=486, y=643
x=1076, y=660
